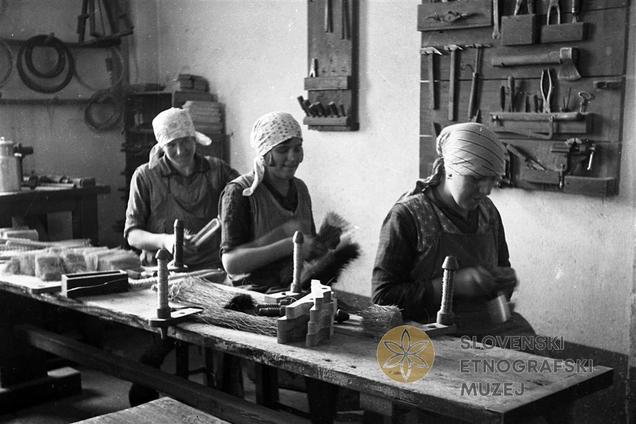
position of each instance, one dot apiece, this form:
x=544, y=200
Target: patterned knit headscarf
x=269, y=131
x=172, y=124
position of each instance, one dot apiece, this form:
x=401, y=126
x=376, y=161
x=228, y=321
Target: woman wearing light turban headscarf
x=260, y=211
x=449, y=213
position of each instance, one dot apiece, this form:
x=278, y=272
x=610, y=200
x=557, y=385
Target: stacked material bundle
x=19, y=232
x=189, y=82
x=112, y=259
x=207, y=116
x=48, y=266
x=74, y=262
x=51, y=262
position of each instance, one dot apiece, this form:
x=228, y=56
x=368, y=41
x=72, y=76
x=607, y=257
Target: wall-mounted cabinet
x=332, y=77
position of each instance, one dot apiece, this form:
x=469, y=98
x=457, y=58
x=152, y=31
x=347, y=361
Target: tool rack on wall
x=548, y=78
x=332, y=81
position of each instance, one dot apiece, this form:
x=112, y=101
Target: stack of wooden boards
x=206, y=116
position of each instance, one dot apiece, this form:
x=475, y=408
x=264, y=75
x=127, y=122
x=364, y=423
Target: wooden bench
x=161, y=411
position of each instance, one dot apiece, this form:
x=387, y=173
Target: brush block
x=518, y=30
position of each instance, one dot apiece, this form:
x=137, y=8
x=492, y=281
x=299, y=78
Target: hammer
x=452, y=48
x=565, y=56
x=431, y=52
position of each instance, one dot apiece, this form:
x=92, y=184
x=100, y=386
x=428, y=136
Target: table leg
x=24, y=379
x=85, y=219
x=266, y=379
x=182, y=364
x=323, y=399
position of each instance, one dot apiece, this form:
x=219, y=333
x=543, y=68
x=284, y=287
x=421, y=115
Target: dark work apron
x=194, y=204
x=470, y=250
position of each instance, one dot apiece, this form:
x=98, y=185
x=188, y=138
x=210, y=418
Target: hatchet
x=565, y=56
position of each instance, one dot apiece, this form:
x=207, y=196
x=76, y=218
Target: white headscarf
x=269, y=131
x=471, y=149
x=172, y=124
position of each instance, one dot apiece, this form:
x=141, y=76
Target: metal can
x=9, y=167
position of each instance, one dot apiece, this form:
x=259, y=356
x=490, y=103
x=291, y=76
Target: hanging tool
x=574, y=9
x=313, y=68
x=546, y=91
x=431, y=52
x=511, y=92
x=584, y=100
x=328, y=17
x=473, y=99
x=526, y=158
x=529, y=5
x=495, y=18
x=333, y=109
x=566, y=101
x=591, y=150
x=553, y=5
x=565, y=56
x=452, y=48
x=91, y=10
x=502, y=98
x=301, y=102
x=535, y=103
x=519, y=29
x=344, y=14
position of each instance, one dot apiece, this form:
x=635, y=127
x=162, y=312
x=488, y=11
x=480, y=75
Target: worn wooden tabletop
x=350, y=361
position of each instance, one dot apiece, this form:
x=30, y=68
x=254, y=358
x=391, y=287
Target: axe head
x=568, y=57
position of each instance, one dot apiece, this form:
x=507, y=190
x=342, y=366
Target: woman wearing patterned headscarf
x=449, y=213
x=260, y=211
x=176, y=183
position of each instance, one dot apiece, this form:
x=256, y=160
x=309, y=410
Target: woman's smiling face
x=283, y=160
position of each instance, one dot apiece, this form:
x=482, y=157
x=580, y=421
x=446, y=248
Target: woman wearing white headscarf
x=449, y=213
x=176, y=183
x=260, y=211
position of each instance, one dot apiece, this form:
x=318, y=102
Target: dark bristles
x=242, y=302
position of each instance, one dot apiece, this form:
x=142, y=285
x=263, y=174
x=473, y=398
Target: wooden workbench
x=349, y=361
x=80, y=201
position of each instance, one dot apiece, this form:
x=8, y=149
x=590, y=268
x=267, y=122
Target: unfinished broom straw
x=146, y=283
x=214, y=299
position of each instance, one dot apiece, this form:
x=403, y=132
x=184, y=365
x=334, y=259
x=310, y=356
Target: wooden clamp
x=309, y=318
x=177, y=262
x=445, y=323
x=165, y=317
x=298, y=240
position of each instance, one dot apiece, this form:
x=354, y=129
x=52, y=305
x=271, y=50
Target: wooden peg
x=298, y=240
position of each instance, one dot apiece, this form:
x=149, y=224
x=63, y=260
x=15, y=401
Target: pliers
x=553, y=4
x=546, y=92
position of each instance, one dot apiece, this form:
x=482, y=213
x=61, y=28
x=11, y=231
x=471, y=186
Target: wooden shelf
x=44, y=101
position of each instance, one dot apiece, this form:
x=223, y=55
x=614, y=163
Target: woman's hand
x=505, y=280
x=474, y=282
